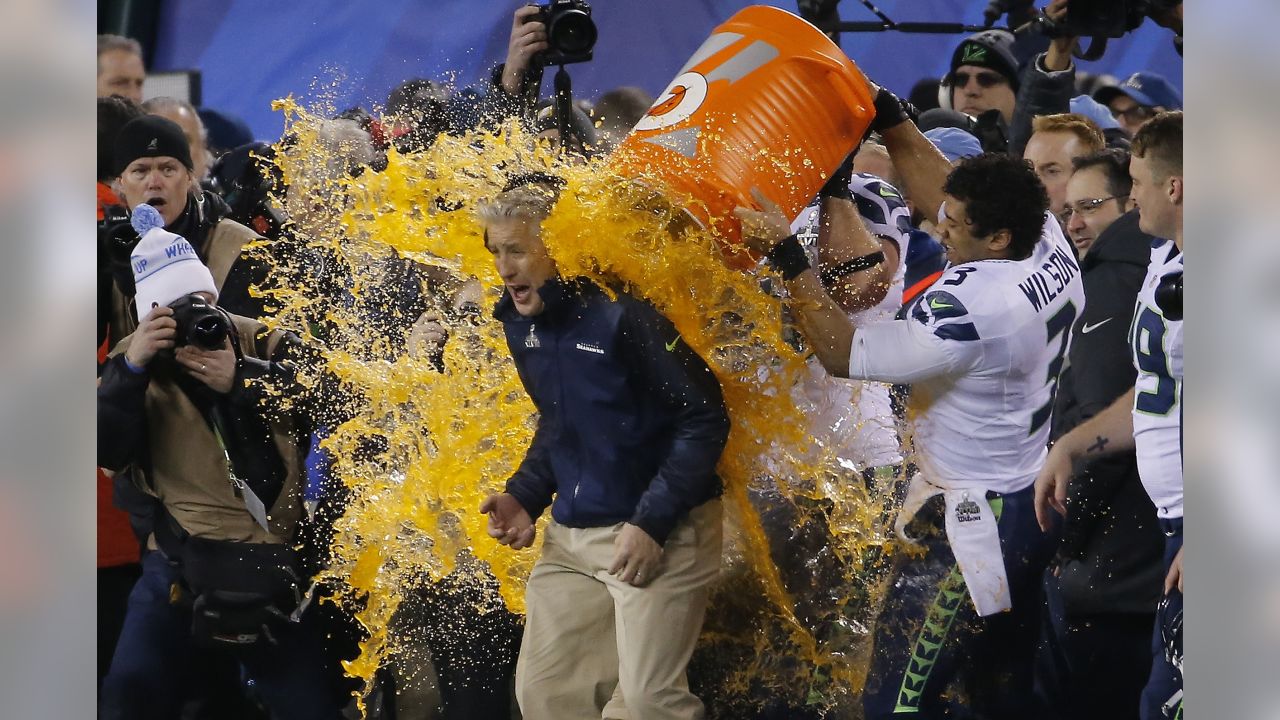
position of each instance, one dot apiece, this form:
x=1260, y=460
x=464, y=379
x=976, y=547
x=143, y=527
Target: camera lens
x=572, y=32
x=209, y=332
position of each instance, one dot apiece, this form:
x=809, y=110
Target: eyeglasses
x=1087, y=207
x=985, y=79
x=1135, y=114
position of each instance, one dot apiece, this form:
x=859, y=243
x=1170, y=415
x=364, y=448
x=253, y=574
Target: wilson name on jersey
x=1006, y=327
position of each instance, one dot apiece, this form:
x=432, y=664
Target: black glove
x=891, y=111
x=788, y=258
x=838, y=184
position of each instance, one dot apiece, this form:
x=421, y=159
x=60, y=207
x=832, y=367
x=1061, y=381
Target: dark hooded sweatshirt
x=1111, y=547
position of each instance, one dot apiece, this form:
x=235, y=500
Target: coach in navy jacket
x=632, y=422
x=631, y=425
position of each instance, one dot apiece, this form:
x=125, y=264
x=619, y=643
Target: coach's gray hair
x=527, y=202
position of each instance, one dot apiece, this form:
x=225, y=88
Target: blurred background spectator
x=617, y=111
x=184, y=114
x=120, y=70
x=223, y=131
x=1139, y=98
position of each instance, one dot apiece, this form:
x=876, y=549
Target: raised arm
x=855, y=266
x=823, y=322
x=921, y=167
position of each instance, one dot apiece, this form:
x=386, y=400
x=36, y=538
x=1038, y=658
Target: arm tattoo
x=1098, y=445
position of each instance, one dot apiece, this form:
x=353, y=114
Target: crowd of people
x=994, y=274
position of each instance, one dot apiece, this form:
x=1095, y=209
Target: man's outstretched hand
x=509, y=522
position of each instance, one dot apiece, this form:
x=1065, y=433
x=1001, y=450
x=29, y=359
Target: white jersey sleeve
x=1157, y=403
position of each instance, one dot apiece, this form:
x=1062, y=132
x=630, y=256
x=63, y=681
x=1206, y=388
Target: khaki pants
x=595, y=647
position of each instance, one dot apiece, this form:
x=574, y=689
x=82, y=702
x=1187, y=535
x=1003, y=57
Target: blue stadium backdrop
x=353, y=53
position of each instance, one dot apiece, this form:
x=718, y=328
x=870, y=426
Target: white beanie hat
x=165, y=266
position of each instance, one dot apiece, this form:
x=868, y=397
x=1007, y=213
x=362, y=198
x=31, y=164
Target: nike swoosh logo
x=1087, y=328
x=934, y=304
x=672, y=345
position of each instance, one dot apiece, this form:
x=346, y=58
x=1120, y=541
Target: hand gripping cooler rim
x=706, y=148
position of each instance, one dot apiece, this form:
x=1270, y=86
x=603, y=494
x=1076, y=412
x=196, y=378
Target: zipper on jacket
x=564, y=424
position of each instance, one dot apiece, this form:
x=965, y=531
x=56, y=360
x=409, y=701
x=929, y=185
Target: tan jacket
x=189, y=471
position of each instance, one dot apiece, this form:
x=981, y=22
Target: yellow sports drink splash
x=423, y=440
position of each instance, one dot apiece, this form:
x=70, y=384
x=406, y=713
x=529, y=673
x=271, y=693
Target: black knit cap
x=151, y=136
x=991, y=49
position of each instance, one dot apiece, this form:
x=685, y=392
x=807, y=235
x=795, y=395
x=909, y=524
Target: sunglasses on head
x=985, y=79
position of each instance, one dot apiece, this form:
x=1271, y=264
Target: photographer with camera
x=183, y=401
x=560, y=32
x=521, y=69
x=114, y=112
x=118, y=549
x=1049, y=81
x=154, y=166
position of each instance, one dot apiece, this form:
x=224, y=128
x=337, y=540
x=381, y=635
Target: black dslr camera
x=246, y=178
x=1097, y=19
x=571, y=34
x=199, y=323
x=116, y=240
x=1109, y=18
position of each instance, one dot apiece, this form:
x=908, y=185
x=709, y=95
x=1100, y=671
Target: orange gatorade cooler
x=768, y=101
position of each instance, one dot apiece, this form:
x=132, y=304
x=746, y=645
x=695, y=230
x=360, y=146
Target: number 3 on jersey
x=1058, y=325
x=1148, y=343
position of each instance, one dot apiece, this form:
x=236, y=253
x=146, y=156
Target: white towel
x=973, y=537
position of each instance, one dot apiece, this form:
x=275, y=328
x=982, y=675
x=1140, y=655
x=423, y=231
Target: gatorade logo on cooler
x=681, y=99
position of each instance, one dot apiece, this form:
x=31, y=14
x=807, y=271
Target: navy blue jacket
x=631, y=421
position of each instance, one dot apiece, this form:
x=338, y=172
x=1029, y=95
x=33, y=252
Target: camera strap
x=257, y=509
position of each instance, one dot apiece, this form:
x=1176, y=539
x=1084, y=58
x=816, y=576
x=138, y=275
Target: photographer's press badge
x=252, y=502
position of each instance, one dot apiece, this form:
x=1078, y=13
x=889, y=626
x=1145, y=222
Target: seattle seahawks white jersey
x=1157, y=402
x=885, y=214
x=982, y=349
